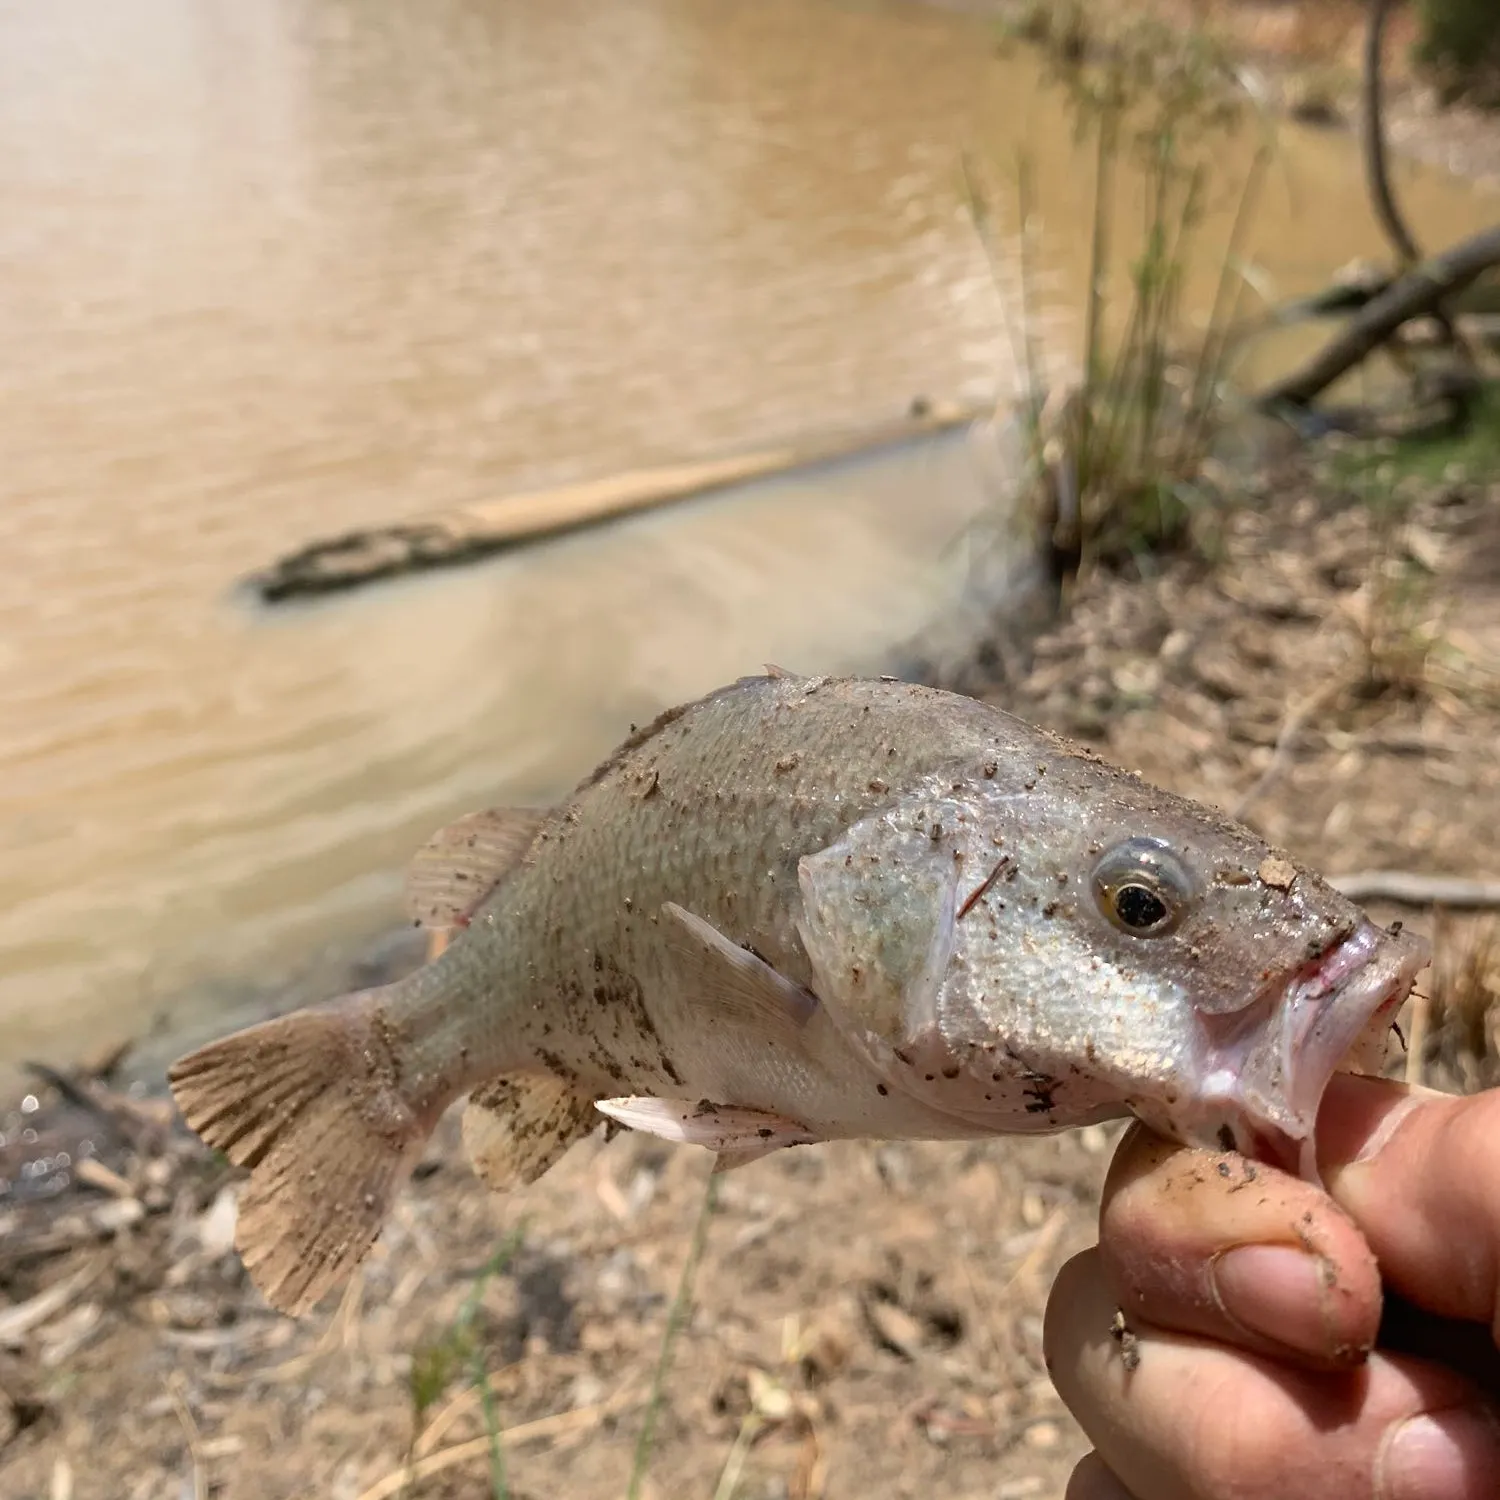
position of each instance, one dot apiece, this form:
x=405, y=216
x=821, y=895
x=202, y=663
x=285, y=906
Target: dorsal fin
x=453, y=872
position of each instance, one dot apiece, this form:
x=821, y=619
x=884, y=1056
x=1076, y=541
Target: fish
x=797, y=910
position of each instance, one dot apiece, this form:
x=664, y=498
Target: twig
x=1377, y=173
x=1377, y=170
x=456, y=1407
x=815, y=1475
x=1416, y=1043
x=982, y=889
x=92, y=1172
x=1292, y=725
x=729, y=1475
x=1043, y=1246
x=1411, y=889
x=984, y=1317
x=461, y=1453
x=193, y=1435
x=16, y=1322
x=1421, y=290
x=459, y=1334
x=117, y=1113
x=335, y=1329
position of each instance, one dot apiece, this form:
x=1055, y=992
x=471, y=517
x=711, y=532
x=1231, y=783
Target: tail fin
x=310, y=1103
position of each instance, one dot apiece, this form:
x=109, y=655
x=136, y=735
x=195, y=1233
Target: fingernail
x=1276, y=1292
x=1438, y=1455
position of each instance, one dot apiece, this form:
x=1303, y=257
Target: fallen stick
x=468, y=532
x=1412, y=889
x=1281, y=757
x=556, y=1425
x=16, y=1322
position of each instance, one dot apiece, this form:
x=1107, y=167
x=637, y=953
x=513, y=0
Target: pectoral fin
x=739, y=985
x=727, y=1129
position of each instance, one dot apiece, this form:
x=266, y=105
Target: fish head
x=1076, y=945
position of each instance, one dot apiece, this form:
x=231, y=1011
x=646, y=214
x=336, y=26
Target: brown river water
x=269, y=272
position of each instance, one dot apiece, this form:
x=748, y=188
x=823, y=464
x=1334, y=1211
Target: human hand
x=1280, y=1343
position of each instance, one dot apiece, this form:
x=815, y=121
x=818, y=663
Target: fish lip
x=1350, y=992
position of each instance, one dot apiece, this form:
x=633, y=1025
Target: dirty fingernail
x=1276, y=1292
x=1450, y=1455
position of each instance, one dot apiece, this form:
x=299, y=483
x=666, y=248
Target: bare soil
x=866, y=1319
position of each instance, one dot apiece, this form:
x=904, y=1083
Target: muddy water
x=273, y=271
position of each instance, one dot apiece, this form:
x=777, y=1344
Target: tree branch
x=1377, y=172
x=1418, y=292
x=1411, y=889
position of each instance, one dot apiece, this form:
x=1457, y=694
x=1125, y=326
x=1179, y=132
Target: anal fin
x=516, y=1127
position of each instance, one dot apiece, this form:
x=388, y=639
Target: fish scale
x=718, y=804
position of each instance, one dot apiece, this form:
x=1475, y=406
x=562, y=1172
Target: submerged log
x=473, y=531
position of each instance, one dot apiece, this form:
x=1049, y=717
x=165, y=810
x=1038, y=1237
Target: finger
x=1213, y=1244
x=1091, y=1480
x=1188, y=1419
x=1419, y=1172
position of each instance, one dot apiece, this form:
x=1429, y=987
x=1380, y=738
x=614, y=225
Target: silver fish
x=800, y=910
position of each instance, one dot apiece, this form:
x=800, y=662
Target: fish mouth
x=1337, y=1014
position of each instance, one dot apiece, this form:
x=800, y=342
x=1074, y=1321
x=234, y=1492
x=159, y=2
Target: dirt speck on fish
x=847, y=908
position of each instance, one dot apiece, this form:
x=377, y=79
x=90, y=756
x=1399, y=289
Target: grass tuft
x=436, y=1365
x=676, y=1318
x=1461, y=1043
x=1122, y=455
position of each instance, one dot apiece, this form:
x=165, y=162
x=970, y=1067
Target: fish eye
x=1143, y=888
x=1139, y=907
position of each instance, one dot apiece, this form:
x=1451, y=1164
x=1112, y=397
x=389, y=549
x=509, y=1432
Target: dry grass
x=1400, y=616
x=859, y=1319
x=1121, y=454
x=1396, y=617
x=1455, y=1041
